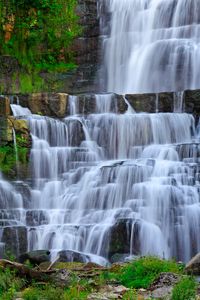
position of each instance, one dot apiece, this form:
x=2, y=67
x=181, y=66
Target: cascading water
x=90, y=172
x=150, y=45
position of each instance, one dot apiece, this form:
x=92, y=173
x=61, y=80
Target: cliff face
x=86, y=53
x=87, y=49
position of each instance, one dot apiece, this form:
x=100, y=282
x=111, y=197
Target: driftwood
x=24, y=271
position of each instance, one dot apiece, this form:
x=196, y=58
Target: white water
x=18, y=110
x=91, y=171
x=151, y=45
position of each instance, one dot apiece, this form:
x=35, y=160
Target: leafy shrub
x=142, y=272
x=9, y=284
x=185, y=289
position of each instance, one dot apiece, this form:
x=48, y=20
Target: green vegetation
x=52, y=292
x=39, y=34
x=142, y=272
x=8, y=155
x=185, y=289
x=9, y=284
x=83, y=282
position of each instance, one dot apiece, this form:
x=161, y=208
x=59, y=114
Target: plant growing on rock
x=142, y=272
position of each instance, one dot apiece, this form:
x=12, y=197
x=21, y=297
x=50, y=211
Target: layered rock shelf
x=57, y=104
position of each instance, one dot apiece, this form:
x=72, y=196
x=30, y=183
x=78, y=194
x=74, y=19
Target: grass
x=9, y=284
x=185, y=289
x=134, y=275
x=142, y=272
x=49, y=292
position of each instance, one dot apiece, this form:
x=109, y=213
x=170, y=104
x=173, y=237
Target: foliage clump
x=9, y=284
x=39, y=34
x=142, y=272
x=185, y=289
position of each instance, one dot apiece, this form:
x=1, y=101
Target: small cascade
x=18, y=110
x=73, y=103
x=150, y=45
x=104, y=103
x=157, y=103
x=178, y=102
x=16, y=150
x=94, y=173
x=130, y=110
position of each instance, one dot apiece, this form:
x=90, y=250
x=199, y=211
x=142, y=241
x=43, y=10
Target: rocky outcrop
x=192, y=102
x=48, y=104
x=15, y=239
x=86, y=49
x=4, y=106
x=120, y=239
x=72, y=256
x=58, y=104
x=35, y=257
x=193, y=266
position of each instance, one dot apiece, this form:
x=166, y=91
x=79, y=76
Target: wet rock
x=25, y=191
x=120, y=236
x=76, y=132
x=4, y=106
x=192, y=102
x=48, y=104
x=15, y=239
x=35, y=257
x=151, y=103
x=72, y=256
x=165, y=102
x=119, y=258
x=193, y=266
x=142, y=102
x=36, y=218
x=86, y=104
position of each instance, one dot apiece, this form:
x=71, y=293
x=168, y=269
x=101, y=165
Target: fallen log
x=24, y=271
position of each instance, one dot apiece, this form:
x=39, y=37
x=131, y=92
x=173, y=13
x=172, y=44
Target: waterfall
x=16, y=150
x=150, y=45
x=92, y=171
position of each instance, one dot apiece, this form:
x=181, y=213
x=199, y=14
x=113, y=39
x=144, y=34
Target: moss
x=39, y=35
x=8, y=157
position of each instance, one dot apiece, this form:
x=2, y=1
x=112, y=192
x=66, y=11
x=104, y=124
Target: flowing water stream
x=93, y=173
x=90, y=172
x=150, y=45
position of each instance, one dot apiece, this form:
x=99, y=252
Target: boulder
x=108, y=292
x=193, y=266
x=35, y=257
x=72, y=256
x=120, y=238
x=48, y=104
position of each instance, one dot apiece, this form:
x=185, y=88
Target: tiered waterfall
x=90, y=172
